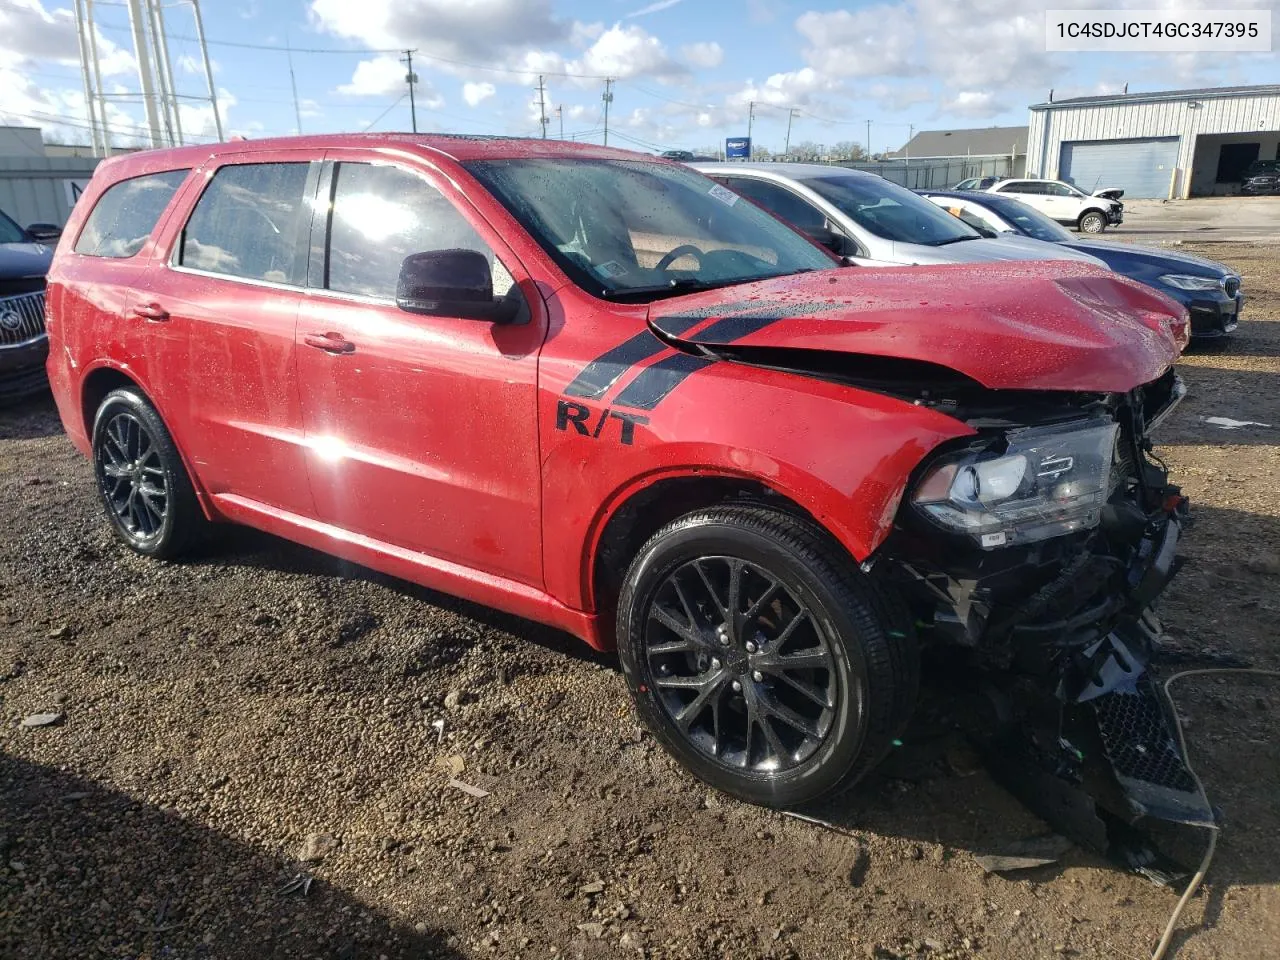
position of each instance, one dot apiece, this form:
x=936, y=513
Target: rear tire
x=1091, y=221
x=782, y=690
x=142, y=481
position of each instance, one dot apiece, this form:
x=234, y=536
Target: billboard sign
x=737, y=148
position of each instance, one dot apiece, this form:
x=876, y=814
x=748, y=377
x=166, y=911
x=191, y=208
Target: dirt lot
x=224, y=713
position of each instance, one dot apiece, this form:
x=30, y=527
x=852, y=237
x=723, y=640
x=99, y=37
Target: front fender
x=841, y=453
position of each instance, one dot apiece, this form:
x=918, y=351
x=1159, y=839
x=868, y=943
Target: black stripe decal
x=607, y=369
x=647, y=390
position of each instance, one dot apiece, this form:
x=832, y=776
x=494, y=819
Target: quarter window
x=381, y=215
x=1034, y=189
x=126, y=214
x=248, y=223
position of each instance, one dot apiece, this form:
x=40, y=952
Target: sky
x=686, y=71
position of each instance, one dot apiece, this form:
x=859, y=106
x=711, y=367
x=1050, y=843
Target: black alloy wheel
x=761, y=657
x=740, y=664
x=141, y=478
x=132, y=478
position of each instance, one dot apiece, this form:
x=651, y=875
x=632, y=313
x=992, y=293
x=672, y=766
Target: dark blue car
x=1209, y=290
x=24, y=261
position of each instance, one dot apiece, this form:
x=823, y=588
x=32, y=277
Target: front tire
x=759, y=655
x=1092, y=222
x=142, y=481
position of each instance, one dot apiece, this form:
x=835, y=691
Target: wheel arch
x=104, y=378
x=640, y=510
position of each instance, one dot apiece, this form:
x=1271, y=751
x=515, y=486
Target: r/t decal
x=589, y=424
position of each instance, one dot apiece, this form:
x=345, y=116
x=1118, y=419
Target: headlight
x=1048, y=481
x=1184, y=282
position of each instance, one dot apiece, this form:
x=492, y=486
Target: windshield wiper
x=950, y=240
x=672, y=288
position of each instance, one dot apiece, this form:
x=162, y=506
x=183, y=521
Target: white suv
x=1065, y=203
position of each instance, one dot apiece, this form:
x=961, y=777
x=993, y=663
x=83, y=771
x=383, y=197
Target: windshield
x=890, y=211
x=643, y=230
x=10, y=232
x=1031, y=222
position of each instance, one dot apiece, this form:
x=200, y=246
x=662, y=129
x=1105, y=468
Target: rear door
x=1030, y=192
x=422, y=429
x=232, y=282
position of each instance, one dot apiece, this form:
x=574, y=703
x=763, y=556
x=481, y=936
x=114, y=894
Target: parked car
x=1209, y=290
x=1067, y=204
x=684, y=156
x=867, y=219
x=977, y=183
x=601, y=391
x=23, y=344
x=1261, y=177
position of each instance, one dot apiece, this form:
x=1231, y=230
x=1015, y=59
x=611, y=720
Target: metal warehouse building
x=1170, y=145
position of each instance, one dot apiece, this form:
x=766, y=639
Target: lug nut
x=722, y=634
x=757, y=676
x=737, y=687
x=715, y=663
x=751, y=646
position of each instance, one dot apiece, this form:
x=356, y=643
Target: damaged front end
x=1039, y=546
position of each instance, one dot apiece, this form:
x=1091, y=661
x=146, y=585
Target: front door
x=421, y=430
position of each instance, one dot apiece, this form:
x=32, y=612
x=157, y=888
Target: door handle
x=329, y=342
x=151, y=311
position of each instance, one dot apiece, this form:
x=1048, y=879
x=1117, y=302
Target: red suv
x=598, y=390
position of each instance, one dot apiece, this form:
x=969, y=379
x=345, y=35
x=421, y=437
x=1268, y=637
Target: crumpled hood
x=24, y=260
x=1014, y=326
x=1165, y=259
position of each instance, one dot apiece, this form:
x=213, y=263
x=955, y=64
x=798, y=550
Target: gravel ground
x=254, y=752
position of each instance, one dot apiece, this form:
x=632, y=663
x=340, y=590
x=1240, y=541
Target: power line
x=399, y=101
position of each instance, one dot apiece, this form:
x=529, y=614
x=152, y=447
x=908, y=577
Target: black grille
x=1138, y=742
x=21, y=318
x=1231, y=285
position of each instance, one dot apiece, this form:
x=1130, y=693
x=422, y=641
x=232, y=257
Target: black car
x=24, y=261
x=1209, y=290
x=1263, y=176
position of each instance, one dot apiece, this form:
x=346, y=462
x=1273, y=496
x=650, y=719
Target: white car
x=869, y=220
x=1088, y=213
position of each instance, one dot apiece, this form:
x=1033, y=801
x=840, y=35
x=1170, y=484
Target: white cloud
x=476, y=93
x=29, y=32
x=628, y=51
x=973, y=103
x=480, y=31
x=704, y=54
x=873, y=41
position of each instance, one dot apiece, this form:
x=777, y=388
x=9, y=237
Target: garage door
x=1142, y=167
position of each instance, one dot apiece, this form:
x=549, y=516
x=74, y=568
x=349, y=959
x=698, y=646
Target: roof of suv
x=793, y=171
x=458, y=147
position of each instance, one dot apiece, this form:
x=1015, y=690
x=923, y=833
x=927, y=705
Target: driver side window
x=382, y=214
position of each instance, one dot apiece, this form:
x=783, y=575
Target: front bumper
x=1212, y=315
x=22, y=368
x=1260, y=188
x=1115, y=216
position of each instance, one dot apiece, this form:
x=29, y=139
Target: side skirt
x=431, y=572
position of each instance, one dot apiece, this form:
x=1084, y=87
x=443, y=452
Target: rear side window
x=126, y=214
x=1022, y=186
x=381, y=215
x=248, y=223
x=779, y=201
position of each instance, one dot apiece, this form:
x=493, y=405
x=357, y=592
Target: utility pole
x=607, y=97
x=868, y=139
x=411, y=78
x=751, y=116
x=542, y=107
x=560, y=116
x=911, y=135
x=786, y=149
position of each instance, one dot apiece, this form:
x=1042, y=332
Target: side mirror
x=824, y=236
x=451, y=283
x=44, y=232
